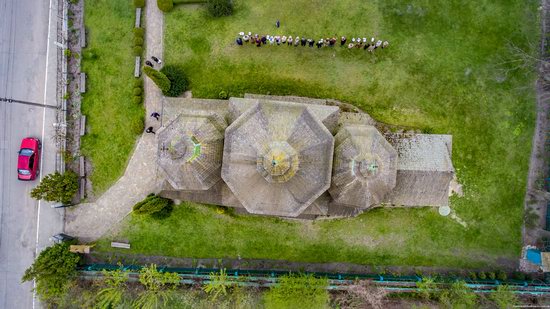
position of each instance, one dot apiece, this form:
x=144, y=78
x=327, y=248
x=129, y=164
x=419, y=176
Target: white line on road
x=42, y=142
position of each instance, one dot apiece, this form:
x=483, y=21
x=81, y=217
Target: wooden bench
x=82, y=189
x=138, y=17
x=137, y=67
x=121, y=245
x=82, y=167
x=82, y=82
x=83, y=37
x=82, y=125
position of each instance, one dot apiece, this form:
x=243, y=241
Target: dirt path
x=536, y=195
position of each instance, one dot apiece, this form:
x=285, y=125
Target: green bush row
x=159, y=78
x=138, y=91
x=178, y=80
x=219, y=8
x=155, y=206
x=165, y=5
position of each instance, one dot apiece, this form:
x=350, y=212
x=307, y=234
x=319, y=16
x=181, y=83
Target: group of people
x=360, y=43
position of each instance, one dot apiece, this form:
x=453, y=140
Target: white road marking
x=42, y=141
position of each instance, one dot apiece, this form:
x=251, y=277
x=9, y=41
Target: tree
x=298, y=291
x=165, y=5
x=425, y=288
x=53, y=270
x=156, y=206
x=504, y=298
x=159, y=287
x=178, y=80
x=57, y=187
x=218, y=284
x=114, y=287
x=219, y=8
x=158, y=78
x=458, y=295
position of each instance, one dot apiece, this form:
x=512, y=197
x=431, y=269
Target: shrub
x=518, y=275
x=223, y=95
x=473, y=276
x=178, y=80
x=89, y=54
x=139, y=32
x=159, y=78
x=138, y=50
x=165, y=5
x=138, y=99
x=298, y=291
x=56, y=187
x=138, y=41
x=137, y=91
x=139, y=3
x=491, y=275
x=481, y=275
x=53, y=270
x=218, y=8
x=156, y=206
x=501, y=275
x=138, y=82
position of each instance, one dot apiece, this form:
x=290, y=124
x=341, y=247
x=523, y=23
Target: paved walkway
x=89, y=221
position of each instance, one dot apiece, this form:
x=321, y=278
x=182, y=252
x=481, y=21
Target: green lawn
x=450, y=69
x=113, y=120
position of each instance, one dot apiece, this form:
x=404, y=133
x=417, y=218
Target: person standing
x=263, y=39
x=385, y=44
x=304, y=41
x=157, y=60
x=239, y=41
x=296, y=41
x=332, y=41
x=343, y=41
x=310, y=42
x=277, y=24
x=289, y=40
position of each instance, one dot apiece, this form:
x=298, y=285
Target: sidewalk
x=89, y=221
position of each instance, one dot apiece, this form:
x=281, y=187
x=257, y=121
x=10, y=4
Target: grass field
x=454, y=68
x=114, y=121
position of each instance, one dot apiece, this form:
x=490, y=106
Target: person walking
x=157, y=60
x=149, y=63
x=149, y=130
x=155, y=115
x=343, y=41
x=277, y=24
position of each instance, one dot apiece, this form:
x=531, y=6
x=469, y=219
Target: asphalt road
x=25, y=224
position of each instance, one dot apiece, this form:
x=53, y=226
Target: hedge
x=138, y=99
x=159, y=78
x=178, y=79
x=138, y=50
x=138, y=41
x=218, y=8
x=139, y=32
x=165, y=5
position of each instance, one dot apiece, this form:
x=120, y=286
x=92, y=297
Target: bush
x=298, y=291
x=139, y=3
x=53, y=271
x=138, y=82
x=218, y=8
x=518, y=275
x=57, y=187
x=89, y=54
x=491, y=275
x=156, y=206
x=473, y=276
x=481, y=275
x=138, y=99
x=138, y=50
x=501, y=275
x=138, y=41
x=165, y=5
x=139, y=32
x=223, y=95
x=178, y=80
x=137, y=91
x=159, y=78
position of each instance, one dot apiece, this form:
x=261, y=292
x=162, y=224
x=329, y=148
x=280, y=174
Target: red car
x=28, y=161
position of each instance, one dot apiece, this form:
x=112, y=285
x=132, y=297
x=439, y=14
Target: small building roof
x=190, y=150
x=423, y=152
x=365, y=167
x=277, y=158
